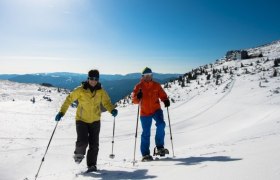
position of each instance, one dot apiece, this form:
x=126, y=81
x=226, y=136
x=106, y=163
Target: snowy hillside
x=271, y=50
x=224, y=127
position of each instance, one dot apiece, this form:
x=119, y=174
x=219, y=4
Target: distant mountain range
x=117, y=86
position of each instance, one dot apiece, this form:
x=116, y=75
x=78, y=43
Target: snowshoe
x=78, y=158
x=91, y=169
x=147, y=158
x=160, y=151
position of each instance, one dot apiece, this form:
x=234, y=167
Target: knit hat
x=93, y=73
x=147, y=71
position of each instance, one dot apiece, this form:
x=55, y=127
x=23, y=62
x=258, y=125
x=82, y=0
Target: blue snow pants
x=146, y=122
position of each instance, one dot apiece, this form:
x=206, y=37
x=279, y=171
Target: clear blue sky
x=124, y=36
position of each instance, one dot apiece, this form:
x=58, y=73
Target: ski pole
x=112, y=156
x=136, y=135
x=170, y=132
x=137, y=119
x=46, y=151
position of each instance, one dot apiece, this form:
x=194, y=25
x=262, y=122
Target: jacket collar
x=147, y=83
x=86, y=86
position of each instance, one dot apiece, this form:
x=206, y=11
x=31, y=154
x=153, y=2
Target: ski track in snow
x=209, y=107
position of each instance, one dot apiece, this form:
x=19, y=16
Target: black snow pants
x=88, y=135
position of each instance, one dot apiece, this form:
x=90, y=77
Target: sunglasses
x=148, y=74
x=93, y=78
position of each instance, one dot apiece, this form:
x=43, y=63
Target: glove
x=114, y=112
x=139, y=95
x=59, y=116
x=166, y=103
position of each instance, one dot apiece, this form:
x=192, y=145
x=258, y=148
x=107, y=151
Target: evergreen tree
x=190, y=76
x=180, y=78
x=275, y=73
x=33, y=100
x=276, y=62
x=183, y=84
x=217, y=81
x=194, y=77
x=208, y=77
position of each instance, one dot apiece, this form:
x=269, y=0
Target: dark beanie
x=93, y=73
x=146, y=71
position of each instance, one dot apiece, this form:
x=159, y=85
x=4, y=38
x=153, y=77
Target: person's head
x=147, y=74
x=93, y=77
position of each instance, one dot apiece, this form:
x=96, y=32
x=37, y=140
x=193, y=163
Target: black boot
x=91, y=169
x=147, y=158
x=78, y=158
x=160, y=151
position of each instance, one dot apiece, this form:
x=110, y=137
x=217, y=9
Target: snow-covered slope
x=228, y=129
x=271, y=50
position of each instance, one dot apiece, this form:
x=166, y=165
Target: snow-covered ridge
x=13, y=91
x=271, y=50
x=216, y=75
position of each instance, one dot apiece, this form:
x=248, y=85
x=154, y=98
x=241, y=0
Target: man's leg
x=82, y=141
x=94, y=130
x=146, y=122
x=160, y=125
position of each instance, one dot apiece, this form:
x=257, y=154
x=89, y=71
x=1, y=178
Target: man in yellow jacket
x=90, y=96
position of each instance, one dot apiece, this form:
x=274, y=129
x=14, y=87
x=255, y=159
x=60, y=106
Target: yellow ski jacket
x=89, y=103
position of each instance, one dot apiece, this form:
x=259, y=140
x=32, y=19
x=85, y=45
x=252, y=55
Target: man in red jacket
x=147, y=93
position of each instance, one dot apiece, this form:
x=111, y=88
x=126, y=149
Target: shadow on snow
x=198, y=160
x=142, y=173
x=109, y=174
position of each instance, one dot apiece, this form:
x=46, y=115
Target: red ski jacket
x=152, y=92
